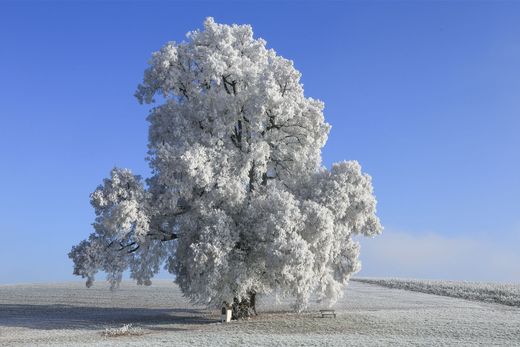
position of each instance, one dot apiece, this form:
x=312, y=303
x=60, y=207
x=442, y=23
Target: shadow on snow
x=55, y=316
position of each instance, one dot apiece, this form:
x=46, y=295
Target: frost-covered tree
x=238, y=202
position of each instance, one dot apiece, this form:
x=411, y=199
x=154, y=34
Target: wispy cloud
x=478, y=257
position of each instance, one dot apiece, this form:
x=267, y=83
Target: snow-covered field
x=68, y=314
x=501, y=293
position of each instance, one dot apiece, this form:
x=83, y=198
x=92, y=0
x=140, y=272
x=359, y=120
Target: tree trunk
x=244, y=308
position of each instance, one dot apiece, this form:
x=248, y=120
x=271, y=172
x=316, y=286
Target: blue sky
x=425, y=95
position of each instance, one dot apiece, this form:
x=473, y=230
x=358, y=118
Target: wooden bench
x=327, y=313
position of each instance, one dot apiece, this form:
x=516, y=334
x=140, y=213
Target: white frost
x=501, y=293
x=238, y=201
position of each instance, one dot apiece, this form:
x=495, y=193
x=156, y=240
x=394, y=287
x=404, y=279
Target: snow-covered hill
x=501, y=293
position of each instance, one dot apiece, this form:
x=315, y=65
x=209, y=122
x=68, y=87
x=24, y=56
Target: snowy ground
x=69, y=314
x=500, y=293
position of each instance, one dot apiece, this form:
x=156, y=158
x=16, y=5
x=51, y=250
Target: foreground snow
x=68, y=314
x=501, y=293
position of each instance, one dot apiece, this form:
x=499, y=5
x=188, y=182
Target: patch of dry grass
x=125, y=330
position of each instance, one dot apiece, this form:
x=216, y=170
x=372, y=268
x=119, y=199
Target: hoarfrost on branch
x=238, y=201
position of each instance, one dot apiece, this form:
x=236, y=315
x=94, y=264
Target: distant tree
x=238, y=203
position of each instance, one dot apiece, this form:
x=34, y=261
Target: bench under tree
x=328, y=313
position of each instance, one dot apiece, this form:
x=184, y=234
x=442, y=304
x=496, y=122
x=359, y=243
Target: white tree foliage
x=238, y=201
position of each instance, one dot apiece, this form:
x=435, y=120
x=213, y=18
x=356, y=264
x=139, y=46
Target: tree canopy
x=238, y=200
